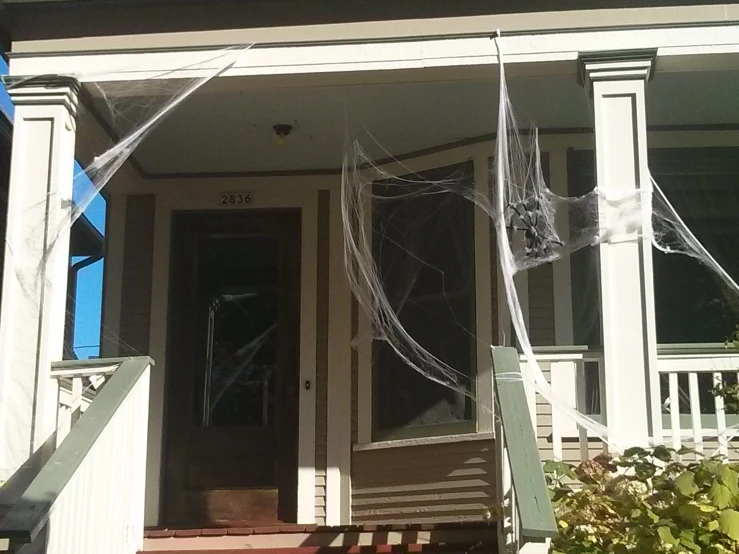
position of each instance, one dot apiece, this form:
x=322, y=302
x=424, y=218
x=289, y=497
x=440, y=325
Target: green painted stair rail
x=534, y=507
x=25, y=520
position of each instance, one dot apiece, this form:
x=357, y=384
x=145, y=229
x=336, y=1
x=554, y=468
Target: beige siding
x=138, y=258
x=321, y=352
x=544, y=422
x=570, y=446
x=541, y=305
x=417, y=484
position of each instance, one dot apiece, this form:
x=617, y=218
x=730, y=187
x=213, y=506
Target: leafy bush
x=730, y=393
x=645, y=502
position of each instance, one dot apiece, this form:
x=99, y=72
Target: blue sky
x=90, y=279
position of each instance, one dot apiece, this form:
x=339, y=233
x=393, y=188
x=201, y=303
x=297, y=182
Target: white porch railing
x=687, y=374
x=575, y=373
x=691, y=415
x=89, y=497
x=78, y=383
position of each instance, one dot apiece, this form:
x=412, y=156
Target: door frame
x=206, y=198
x=250, y=503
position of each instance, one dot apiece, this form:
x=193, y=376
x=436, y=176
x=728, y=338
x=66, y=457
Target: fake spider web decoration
x=524, y=213
x=129, y=111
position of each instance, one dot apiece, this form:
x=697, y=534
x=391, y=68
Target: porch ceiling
x=227, y=127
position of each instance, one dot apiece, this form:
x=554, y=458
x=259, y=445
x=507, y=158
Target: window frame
x=483, y=265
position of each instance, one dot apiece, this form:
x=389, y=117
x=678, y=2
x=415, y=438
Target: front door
x=232, y=369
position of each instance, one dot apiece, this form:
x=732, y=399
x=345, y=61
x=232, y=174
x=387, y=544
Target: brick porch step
x=450, y=538
x=470, y=548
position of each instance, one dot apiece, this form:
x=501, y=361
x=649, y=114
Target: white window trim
x=479, y=155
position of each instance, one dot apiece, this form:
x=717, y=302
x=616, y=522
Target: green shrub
x=645, y=502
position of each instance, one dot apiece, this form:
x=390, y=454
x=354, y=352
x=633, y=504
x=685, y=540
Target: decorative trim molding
x=45, y=90
x=615, y=65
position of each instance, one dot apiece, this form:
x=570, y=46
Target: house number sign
x=235, y=198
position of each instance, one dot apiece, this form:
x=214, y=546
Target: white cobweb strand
x=513, y=179
x=104, y=166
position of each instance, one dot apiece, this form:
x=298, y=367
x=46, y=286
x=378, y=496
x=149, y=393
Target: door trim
x=264, y=198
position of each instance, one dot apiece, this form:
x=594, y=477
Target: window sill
x=423, y=441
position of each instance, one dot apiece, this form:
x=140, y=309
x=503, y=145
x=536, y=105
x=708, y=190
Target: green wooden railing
x=55, y=488
x=534, y=515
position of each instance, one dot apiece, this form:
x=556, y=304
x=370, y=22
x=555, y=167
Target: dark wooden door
x=232, y=369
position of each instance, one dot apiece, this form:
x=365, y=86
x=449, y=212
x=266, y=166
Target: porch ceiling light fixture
x=282, y=130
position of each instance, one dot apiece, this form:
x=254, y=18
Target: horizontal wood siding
x=420, y=484
x=541, y=305
x=138, y=259
x=570, y=446
x=321, y=353
x=544, y=422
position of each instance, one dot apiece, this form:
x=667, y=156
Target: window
x=692, y=305
x=423, y=245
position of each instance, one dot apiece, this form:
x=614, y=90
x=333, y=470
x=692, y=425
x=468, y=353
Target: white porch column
x=36, y=264
x=617, y=82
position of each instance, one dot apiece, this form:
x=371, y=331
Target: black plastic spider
x=539, y=242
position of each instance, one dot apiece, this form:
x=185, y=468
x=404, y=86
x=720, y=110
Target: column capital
x=44, y=90
x=616, y=65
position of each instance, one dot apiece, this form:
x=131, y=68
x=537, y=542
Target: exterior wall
x=541, y=305
x=138, y=259
x=421, y=484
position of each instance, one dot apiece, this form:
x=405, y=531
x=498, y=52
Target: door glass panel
x=238, y=307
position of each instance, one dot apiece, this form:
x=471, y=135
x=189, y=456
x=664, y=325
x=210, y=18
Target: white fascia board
x=376, y=56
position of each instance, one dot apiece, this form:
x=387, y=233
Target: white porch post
x=36, y=264
x=617, y=82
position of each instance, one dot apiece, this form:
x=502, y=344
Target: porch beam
x=427, y=25
x=617, y=83
x=36, y=267
x=680, y=47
